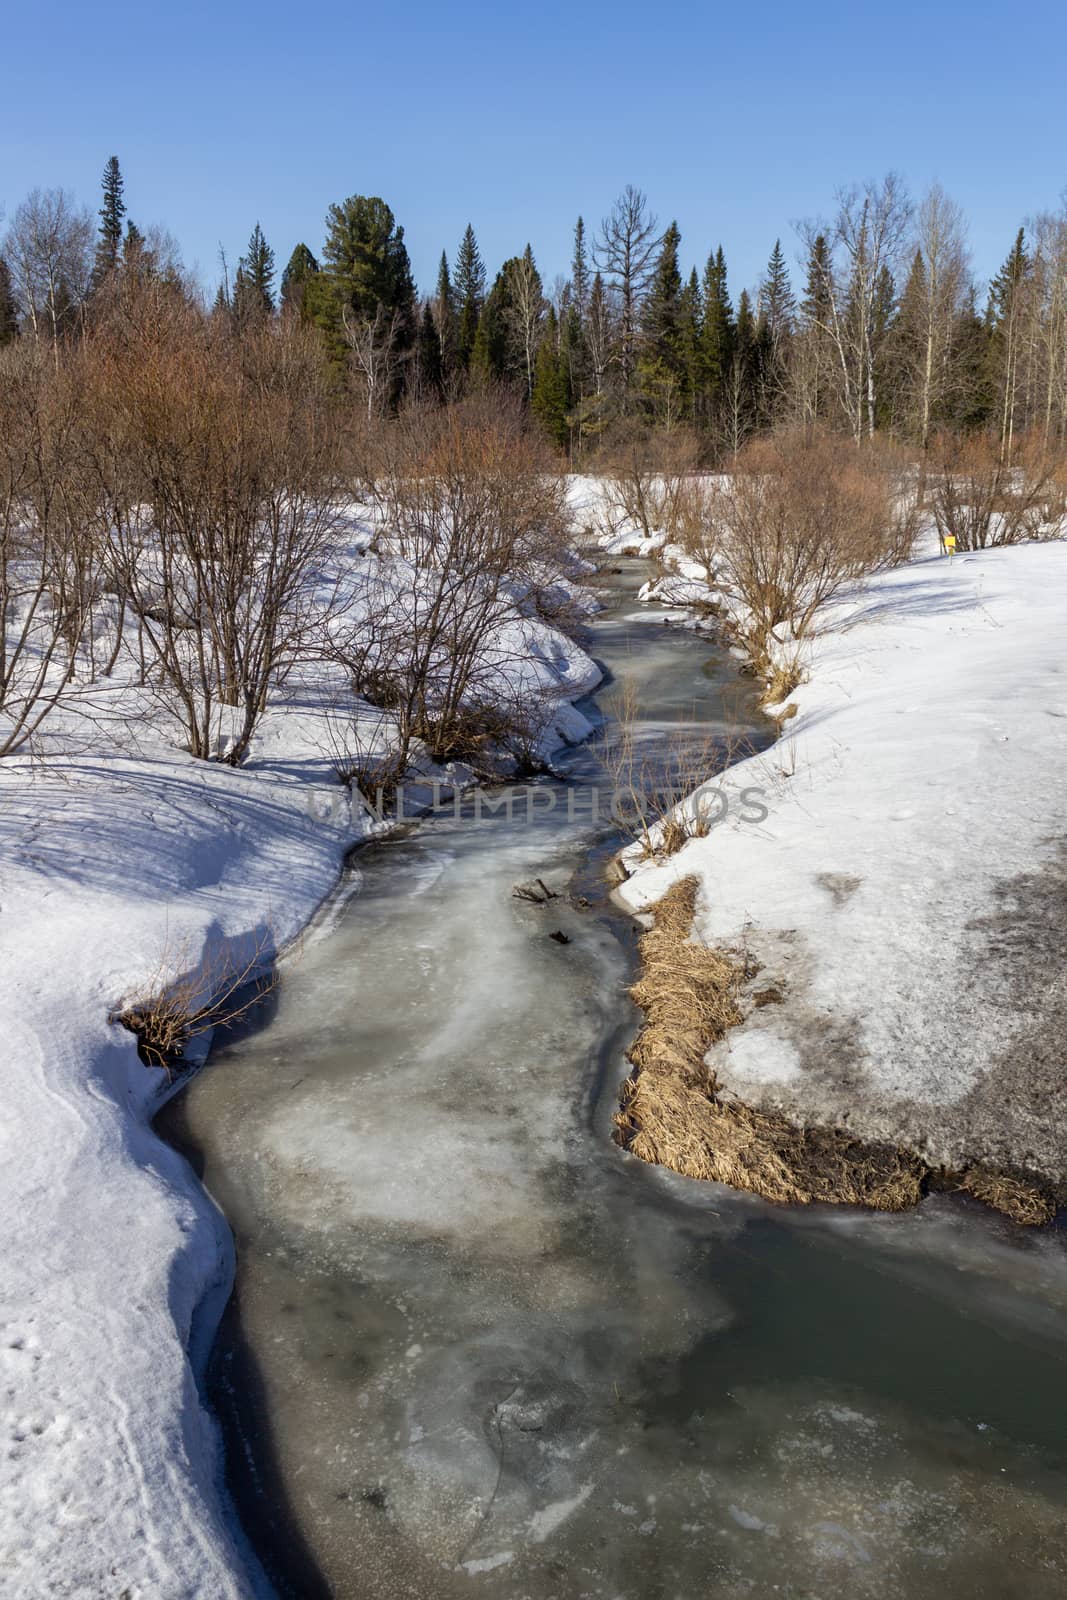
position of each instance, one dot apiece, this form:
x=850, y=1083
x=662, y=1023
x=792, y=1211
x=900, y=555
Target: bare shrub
x=474, y=542
x=981, y=499
x=797, y=517
x=237, y=452
x=647, y=476
x=50, y=565
x=181, y=1003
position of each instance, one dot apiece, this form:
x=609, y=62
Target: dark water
x=476, y=1350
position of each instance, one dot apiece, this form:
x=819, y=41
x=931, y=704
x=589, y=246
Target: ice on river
x=477, y=1350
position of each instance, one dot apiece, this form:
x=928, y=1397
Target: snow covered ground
x=907, y=893
x=121, y=858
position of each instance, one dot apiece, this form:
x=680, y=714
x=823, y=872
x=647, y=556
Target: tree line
x=887, y=330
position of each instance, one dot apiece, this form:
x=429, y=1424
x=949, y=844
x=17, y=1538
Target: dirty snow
x=907, y=892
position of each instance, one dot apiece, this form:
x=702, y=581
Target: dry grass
x=1023, y=1202
x=673, y=1112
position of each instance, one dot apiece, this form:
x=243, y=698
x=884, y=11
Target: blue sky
x=735, y=120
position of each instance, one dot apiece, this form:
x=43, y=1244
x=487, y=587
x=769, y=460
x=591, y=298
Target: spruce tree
x=661, y=313
x=470, y=294
x=491, y=352
x=429, y=369
x=444, y=313
x=777, y=304
x=300, y=267
x=255, y=275
x=1004, y=319
x=551, y=398
x=716, y=338
x=690, y=325
x=580, y=271
x=111, y=213
x=816, y=310
x=9, y=313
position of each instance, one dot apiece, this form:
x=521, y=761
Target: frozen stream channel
x=474, y=1350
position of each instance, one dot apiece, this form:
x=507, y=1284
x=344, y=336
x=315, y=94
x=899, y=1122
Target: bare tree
x=378, y=354
x=526, y=312
x=864, y=244
x=626, y=252
x=942, y=251
x=49, y=250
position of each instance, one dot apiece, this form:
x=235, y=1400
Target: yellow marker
x=950, y=543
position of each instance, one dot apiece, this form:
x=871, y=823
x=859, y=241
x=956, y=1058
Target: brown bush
x=797, y=517
x=983, y=499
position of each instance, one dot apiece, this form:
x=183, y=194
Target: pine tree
x=111, y=214
x=9, y=313
x=470, y=294
x=551, y=398
x=253, y=291
x=365, y=280
x=716, y=339
x=293, y=293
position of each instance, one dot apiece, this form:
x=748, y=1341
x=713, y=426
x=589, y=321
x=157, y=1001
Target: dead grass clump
x=674, y=1114
x=1023, y=1202
x=172, y=1012
x=781, y=682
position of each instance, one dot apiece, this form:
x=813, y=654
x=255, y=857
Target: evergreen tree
x=221, y=309
x=904, y=349
x=255, y=280
x=777, y=303
x=491, y=352
x=690, y=325
x=365, y=281
x=816, y=311
x=444, y=313
x=580, y=271
x=9, y=314
x=300, y=267
x=551, y=398
x=111, y=213
x=743, y=381
x=661, y=368
x=661, y=314
x=470, y=294
x=774, y=335
x=429, y=372
x=716, y=339
x=1004, y=321
x=973, y=401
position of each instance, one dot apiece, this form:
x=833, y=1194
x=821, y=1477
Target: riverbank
x=124, y=866
x=902, y=909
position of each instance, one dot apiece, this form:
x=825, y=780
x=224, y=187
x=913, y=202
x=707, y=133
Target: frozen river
x=476, y=1350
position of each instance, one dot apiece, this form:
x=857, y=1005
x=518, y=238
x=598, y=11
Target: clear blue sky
x=736, y=119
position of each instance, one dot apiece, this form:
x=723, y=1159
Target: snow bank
x=907, y=892
x=121, y=858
